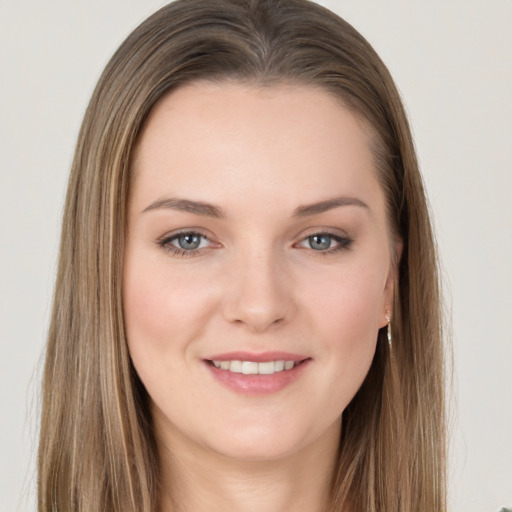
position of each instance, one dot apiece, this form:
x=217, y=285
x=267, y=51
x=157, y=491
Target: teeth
x=235, y=366
x=279, y=366
x=249, y=368
x=288, y=365
x=252, y=368
x=267, y=368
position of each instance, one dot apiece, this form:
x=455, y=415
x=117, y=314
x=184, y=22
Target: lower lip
x=258, y=384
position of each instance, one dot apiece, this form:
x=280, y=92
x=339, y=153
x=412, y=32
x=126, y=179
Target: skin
x=256, y=284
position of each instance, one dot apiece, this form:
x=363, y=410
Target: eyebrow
x=186, y=205
x=210, y=210
x=328, y=204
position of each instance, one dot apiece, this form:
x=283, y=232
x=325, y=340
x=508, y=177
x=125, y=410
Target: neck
x=195, y=479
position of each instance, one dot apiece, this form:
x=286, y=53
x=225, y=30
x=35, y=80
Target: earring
x=388, y=318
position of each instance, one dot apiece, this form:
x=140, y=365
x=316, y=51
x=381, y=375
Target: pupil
x=189, y=242
x=320, y=242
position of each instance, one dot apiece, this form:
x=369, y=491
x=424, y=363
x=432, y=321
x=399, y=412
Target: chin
x=258, y=448
x=270, y=442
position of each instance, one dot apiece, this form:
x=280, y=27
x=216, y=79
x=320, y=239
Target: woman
x=246, y=314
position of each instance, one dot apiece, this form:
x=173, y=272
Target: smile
x=255, y=368
x=257, y=373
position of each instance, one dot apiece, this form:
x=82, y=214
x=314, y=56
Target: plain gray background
x=450, y=59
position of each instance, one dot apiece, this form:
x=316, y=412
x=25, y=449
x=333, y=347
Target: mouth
x=254, y=367
x=262, y=373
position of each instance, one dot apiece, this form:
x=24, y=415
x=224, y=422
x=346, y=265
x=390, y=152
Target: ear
x=391, y=284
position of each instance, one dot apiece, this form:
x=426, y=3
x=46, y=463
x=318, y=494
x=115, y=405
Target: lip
x=257, y=384
x=261, y=357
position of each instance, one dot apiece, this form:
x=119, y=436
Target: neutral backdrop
x=451, y=61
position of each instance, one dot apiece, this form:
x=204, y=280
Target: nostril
x=258, y=300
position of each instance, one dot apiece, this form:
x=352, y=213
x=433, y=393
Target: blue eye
x=189, y=241
x=184, y=244
x=320, y=242
x=326, y=243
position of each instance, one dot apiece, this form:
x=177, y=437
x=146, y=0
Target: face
x=258, y=267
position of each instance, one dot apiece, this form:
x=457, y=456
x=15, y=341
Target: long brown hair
x=97, y=450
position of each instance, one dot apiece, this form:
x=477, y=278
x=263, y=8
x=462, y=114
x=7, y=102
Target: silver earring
x=390, y=342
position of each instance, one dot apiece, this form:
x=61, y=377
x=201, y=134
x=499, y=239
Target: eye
x=326, y=242
x=188, y=241
x=320, y=242
x=185, y=243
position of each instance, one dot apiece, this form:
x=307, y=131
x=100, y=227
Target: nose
x=260, y=292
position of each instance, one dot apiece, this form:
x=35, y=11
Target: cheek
x=163, y=308
x=345, y=313
x=348, y=303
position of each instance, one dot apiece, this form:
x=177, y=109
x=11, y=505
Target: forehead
x=229, y=138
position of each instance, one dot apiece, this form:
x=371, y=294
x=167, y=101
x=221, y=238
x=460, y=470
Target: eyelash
x=342, y=243
x=166, y=244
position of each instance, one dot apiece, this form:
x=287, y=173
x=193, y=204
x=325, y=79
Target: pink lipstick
x=257, y=373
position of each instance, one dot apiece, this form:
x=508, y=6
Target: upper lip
x=261, y=357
